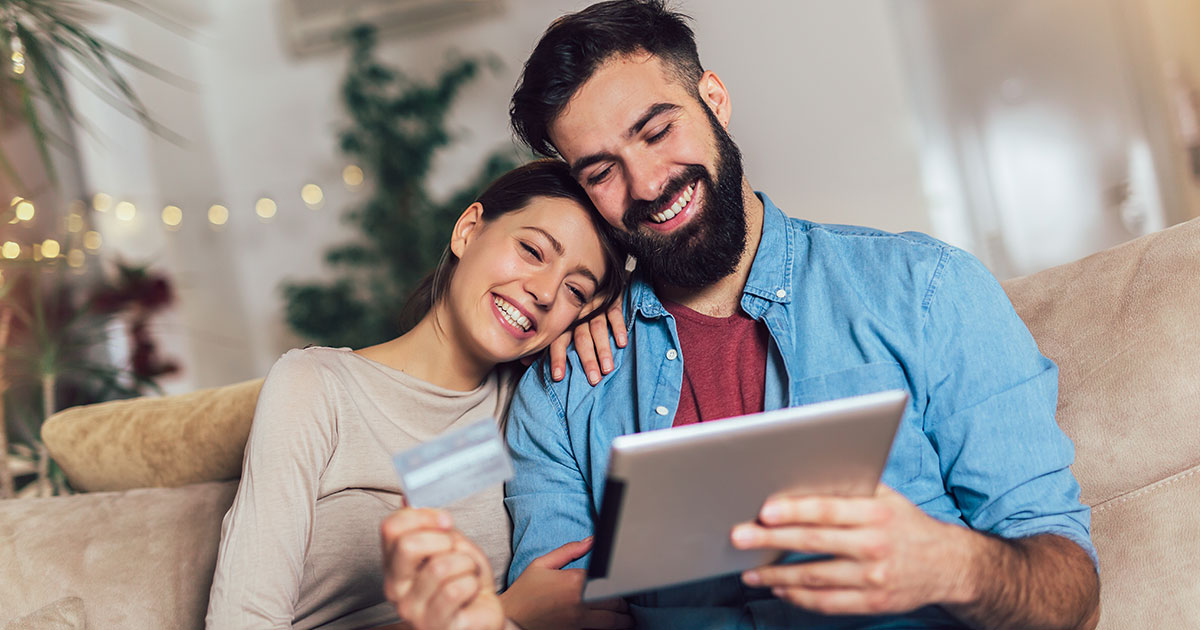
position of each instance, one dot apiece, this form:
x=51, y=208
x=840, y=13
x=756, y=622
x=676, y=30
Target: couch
x=1123, y=326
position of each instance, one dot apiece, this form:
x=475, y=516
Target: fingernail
x=593, y=378
x=743, y=536
x=606, y=365
x=752, y=578
x=778, y=591
x=444, y=520
x=770, y=513
x=558, y=374
x=622, y=340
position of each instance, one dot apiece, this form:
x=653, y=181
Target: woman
x=300, y=545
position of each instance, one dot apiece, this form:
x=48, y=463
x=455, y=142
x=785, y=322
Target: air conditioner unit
x=313, y=25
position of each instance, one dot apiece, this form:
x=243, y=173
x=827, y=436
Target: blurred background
x=198, y=186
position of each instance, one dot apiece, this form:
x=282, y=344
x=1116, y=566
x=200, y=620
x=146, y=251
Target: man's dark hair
x=576, y=44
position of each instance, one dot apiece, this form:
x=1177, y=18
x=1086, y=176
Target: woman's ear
x=713, y=93
x=466, y=228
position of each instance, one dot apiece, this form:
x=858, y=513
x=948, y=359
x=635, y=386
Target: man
x=735, y=308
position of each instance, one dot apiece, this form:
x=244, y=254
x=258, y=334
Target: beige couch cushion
x=1124, y=327
x=154, y=442
x=137, y=559
x=64, y=614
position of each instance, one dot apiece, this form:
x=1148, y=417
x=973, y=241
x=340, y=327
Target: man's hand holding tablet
x=881, y=547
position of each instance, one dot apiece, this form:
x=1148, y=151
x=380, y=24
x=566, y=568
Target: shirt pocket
x=905, y=462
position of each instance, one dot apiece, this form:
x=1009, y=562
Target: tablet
x=672, y=497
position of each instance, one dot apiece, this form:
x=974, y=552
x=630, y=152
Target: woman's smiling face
x=522, y=278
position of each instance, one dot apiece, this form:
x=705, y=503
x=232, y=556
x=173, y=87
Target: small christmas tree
x=398, y=125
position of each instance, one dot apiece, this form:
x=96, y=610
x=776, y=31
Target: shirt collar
x=770, y=274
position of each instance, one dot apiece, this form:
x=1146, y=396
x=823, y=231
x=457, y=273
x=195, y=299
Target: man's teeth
x=511, y=314
x=669, y=213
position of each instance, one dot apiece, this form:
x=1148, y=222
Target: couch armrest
x=138, y=559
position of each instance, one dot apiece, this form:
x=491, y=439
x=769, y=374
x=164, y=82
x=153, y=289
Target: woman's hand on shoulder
x=435, y=577
x=591, y=344
x=547, y=597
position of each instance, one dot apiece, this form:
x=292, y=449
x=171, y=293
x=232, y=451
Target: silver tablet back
x=673, y=496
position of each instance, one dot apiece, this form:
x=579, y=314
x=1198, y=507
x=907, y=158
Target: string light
x=352, y=176
x=51, y=248
x=10, y=250
x=75, y=258
x=18, y=54
x=265, y=208
x=37, y=252
x=92, y=240
x=172, y=216
x=312, y=195
x=25, y=210
x=218, y=214
x=102, y=202
x=125, y=211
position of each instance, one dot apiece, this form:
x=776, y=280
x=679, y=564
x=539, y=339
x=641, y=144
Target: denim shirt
x=850, y=311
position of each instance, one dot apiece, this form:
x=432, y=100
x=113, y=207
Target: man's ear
x=713, y=93
x=466, y=228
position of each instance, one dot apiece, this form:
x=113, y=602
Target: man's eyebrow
x=652, y=111
x=558, y=247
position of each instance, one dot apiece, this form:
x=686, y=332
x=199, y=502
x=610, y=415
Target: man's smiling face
x=659, y=166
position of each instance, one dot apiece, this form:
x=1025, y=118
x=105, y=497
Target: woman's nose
x=541, y=287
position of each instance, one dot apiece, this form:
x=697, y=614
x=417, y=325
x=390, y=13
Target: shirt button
x=781, y=294
x=661, y=410
x=671, y=354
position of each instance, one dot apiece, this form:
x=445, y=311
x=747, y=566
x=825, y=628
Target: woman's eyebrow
x=558, y=247
x=553, y=241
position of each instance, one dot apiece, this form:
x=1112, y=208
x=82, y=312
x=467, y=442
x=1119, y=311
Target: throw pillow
x=154, y=442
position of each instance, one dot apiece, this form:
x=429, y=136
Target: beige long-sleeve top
x=300, y=546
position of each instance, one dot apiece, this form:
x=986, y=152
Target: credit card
x=454, y=465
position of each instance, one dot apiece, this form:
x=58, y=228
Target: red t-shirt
x=725, y=371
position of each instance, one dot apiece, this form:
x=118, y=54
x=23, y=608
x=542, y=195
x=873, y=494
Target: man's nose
x=647, y=178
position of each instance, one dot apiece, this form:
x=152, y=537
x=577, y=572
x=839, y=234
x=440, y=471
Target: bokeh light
x=102, y=202
x=352, y=176
x=172, y=216
x=92, y=240
x=265, y=208
x=218, y=214
x=125, y=211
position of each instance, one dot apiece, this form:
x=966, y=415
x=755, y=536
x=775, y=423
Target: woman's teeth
x=680, y=203
x=511, y=314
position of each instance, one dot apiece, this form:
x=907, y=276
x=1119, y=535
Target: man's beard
x=710, y=246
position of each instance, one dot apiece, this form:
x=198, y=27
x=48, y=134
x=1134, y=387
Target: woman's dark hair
x=509, y=193
x=577, y=43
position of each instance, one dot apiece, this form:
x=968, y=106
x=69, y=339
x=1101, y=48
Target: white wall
x=820, y=112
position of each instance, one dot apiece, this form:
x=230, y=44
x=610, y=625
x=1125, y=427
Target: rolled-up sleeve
x=991, y=407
